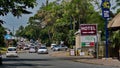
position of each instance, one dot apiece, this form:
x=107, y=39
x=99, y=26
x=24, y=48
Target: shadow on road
x=19, y=59
x=18, y=62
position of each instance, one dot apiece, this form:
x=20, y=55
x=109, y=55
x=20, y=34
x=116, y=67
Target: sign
x=88, y=44
x=105, y=5
x=88, y=40
x=88, y=29
x=72, y=52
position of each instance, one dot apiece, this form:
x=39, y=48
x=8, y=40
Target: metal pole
x=97, y=47
x=106, y=36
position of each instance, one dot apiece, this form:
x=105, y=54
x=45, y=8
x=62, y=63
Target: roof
x=115, y=22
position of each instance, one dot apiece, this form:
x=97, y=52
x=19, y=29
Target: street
x=34, y=60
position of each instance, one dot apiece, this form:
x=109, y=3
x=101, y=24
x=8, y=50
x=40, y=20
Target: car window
x=56, y=46
x=42, y=48
x=11, y=49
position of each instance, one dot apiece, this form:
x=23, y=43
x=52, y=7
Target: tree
x=59, y=21
x=16, y=7
x=2, y=32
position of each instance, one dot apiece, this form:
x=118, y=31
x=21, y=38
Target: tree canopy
x=58, y=21
x=16, y=8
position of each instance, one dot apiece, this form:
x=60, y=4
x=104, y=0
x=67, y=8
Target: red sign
x=88, y=29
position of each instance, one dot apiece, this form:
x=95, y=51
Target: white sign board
x=88, y=39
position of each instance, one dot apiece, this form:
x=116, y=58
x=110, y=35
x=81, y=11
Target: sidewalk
x=108, y=61
x=87, y=59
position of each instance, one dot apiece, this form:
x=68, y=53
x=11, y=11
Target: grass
x=3, y=50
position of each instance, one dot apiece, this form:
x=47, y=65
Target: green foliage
x=58, y=22
x=16, y=7
x=2, y=32
x=114, y=38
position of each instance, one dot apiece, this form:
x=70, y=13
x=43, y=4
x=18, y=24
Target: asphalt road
x=33, y=60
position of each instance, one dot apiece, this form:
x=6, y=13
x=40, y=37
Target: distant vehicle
x=56, y=48
x=11, y=51
x=43, y=45
x=0, y=58
x=63, y=47
x=52, y=45
x=60, y=48
x=32, y=49
x=26, y=48
x=42, y=50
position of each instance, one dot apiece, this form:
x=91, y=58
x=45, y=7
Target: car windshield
x=56, y=46
x=32, y=47
x=42, y=48
x=11, y=49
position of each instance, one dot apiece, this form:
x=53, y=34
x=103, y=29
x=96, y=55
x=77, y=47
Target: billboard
x=88, y=34
x=88, y=29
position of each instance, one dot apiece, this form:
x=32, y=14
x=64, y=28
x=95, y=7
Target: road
x=33, y=60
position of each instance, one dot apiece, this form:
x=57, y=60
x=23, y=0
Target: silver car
x=60, y=48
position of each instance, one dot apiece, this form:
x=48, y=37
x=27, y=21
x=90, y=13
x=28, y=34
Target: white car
x=42, y=50
x=11, y=51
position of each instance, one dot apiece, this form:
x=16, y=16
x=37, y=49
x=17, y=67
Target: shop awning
x=115, y=22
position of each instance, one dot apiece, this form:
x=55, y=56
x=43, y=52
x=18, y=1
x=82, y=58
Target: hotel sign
x=88, y=29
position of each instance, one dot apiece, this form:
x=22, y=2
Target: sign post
x=105, y=5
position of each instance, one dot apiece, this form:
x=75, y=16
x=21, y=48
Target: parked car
x=32, y=49
x=63, y=47
x=0, y=58
x=26, y=47
x=52, y=45
x=11, y=51
x=56, y=48
x=42, y=50
x=60, y=48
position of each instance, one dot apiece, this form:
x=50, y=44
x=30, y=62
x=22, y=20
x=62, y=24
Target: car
x=56, y=48
x=26, y=48
x=42, y=50
x=0, y=58
x=52, y=45
x=63, y=47
x=32, y=49
x=60, y=48
x=11, y=51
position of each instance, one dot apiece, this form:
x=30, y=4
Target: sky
x=13, y=23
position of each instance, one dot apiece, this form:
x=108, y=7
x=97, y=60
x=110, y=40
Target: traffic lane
x=26, y=60
x=33, y=60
